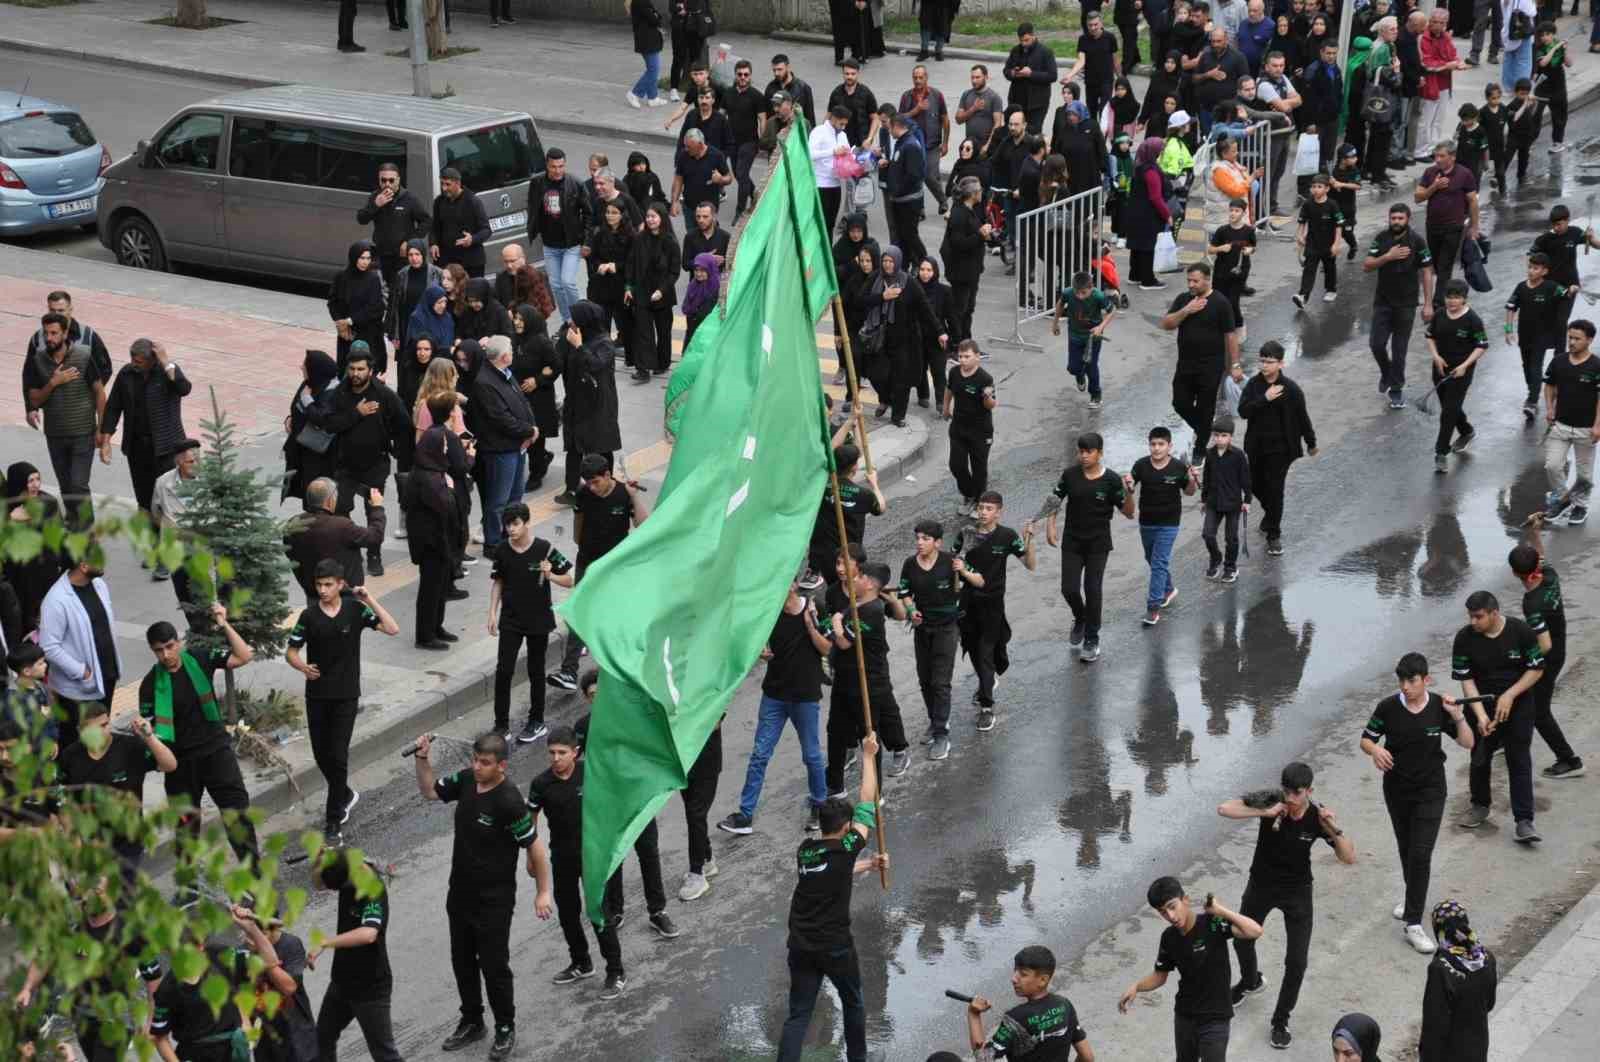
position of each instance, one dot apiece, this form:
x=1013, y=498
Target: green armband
x=866, y=814
x=1510, y=328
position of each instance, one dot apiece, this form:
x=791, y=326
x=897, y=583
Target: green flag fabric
x=677, y=614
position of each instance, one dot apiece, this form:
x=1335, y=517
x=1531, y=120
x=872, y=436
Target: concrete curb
x=1547, y=980
x=546, y=122
x=903, y=47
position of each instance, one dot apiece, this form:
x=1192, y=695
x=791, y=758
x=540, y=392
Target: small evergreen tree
x=229, y=508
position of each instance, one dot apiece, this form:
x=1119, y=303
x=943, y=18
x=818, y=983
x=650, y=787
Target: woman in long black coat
x=537, y=367
x=485, y=316
x=963, y=249
x=303, y=462
x=652, y=291
x=433, y=524
x=871, y=370
x=589, y=382
x=31, y=579
x=609, y=246
x=896, y=303
x=936, y=344
x=1145, y=215
x=358, y=302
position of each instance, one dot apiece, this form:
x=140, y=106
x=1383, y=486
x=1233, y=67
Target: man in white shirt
x=166, y=505
x=827, y=143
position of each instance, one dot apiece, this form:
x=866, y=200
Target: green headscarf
x=1360, y=52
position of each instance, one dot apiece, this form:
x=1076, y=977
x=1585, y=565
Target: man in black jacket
x=558, y=214
x=1324, y=98
x=318, y=534
x=396, y=215
x=150, y=390
x=372, y=426
x=1409, y=48
x=460, y=225
x=906, y=171
x=783, y=80
x=1031, y=69
x=707, y=237
x=505, y=431
x=1276, y=409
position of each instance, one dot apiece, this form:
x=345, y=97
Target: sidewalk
x=1546, y=1004
x=249, y=344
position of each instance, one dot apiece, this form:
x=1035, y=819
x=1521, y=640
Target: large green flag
x=677, y=614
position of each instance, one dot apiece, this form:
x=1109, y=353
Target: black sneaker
x=561, y=680
x=350, y=806
x=615, y=986
x=1572, y=768
x=1299, y=300
x=1214, y=570
x=814, y=820
x=1083, y=382
x=985, y=719
x=1463, y=441
x=532, y=731
x=505, y=1040
x=1230, y=575
x=375, y=566
x=572, y=974
x=1076, y=639
x=566, y=498
x=1242, y=989
x=1156, y=286
x=663, y=925
x=468, y=1032
x=1577, y=515
x=737, y=823
x=1280, y=1037
x=1274, y=547
x=457, y=593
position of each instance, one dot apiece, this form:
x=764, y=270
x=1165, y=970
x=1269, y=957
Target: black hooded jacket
x=962, y=248
x=361, y=297
x=846, y=250
x=589, y=382
x=491, y=320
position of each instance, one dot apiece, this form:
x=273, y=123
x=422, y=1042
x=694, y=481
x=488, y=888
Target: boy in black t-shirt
x=1280, y=877
x=1045, y=1018
x=179, y=1011
x=1343, y=184
x=1496, y=117
x=1472, y=141
x=929, y=581
x=1535, y=315
x=1525, y=117
x=857, y=502
x=519, y=611
x=984, y=629
x=1499, y=656
x=1162, y=481
x=820, y=943
x=1550, y=64
x=846, y=721
x=104, y=759
x=361, y=982
x=1546, y=613
x=1232, y=245
x=1196, y=947
x=325, y=647
x=604, y=511
x=1319, y=239
x=1456, y=340
x=1225, y=496
x=969, y=403
x=1089, y=493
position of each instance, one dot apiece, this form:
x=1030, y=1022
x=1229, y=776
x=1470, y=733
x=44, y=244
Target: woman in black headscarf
x=1460, y=993
x=641, y=182
x=308, y=450
x=936, y=345
x=406, y=290
x=537, y=367
x=1167, y=81
x=609, y=246
x=358, y=302
x=1356, y=1038
x=897, y=304
x=589, y=381
x=872, y=369
x=652, y=292
x=31, y=579
x=484, y=316
x=433, y=521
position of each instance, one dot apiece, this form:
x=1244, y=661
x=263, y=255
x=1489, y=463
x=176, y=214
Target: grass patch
x=211, y=22
x=449, y=53
x=997, y=31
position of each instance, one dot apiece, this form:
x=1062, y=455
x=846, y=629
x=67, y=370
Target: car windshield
x=494, y=157
x=43, y=136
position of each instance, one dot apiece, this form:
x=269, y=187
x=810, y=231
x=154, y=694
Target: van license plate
x=519, y=220
x=77, y=206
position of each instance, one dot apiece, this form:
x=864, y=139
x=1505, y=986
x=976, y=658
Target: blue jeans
x=1516, y=64
x=649, y=84
x=1083, y=357
x=806, y=971
x=502, y=481
x=770, y=717
x=562, y=264
x=1158, y=540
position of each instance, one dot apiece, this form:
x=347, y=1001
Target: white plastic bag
x=863, y=192
x=1308, y=156
x=1167, y=254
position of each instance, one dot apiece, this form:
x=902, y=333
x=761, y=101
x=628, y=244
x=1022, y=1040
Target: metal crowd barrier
x=1052, y=243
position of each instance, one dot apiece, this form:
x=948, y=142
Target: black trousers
x=1308, y=272
x=743, y=159
x=1452, y=417
x=1390, y=338
x=566, y=874
x=1544, y=721
x=936, y=648
x=831, y=198
x=347, y=25
x=1200, y=1041
x=1268, y=474
x=985, y=643
x=686, y=48
x=934, y=364
x=1082, y=577
x=1231, y=286
x=648, y=850
x=905, y=365
x=1194, y=397
x=652, y=337
x=216, y=774
x=573, y=649
x=806, y=971
x=846, y=726
x=1415, y=818
x=1129, y=31
x=433, y=580
x=353, y=485
x=329, y=724
x=1295, y=903
x=969, y=461
x=1141, y=266
x=480, y=948
x=338, y=1010
x=903, y=221
x=963, y=298
x=505, y=666
x=1379, y=139
x=144, y=467
x=1558, y=118
x=1444, y=247
x=396, y=10
x=698, y=796
x=1533, y=349
x=1208, y=535
x=1034, y=117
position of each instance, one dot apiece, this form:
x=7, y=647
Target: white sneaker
x=1399, y=911
x=655, y=101
x=694, y=887
x=1329, y=296
x=1418, y=940
x=709, y=870
x=634, y=101
x=673, y=96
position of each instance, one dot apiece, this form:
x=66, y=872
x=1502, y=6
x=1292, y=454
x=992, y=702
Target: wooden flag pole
x=842, y=330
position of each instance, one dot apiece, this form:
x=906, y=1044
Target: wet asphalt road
x=1097, y=778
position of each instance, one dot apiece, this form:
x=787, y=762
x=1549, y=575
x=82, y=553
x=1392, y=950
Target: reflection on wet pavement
x=1257, y=664
x=1159, y=741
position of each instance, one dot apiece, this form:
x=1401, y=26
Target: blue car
x=51, y=168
